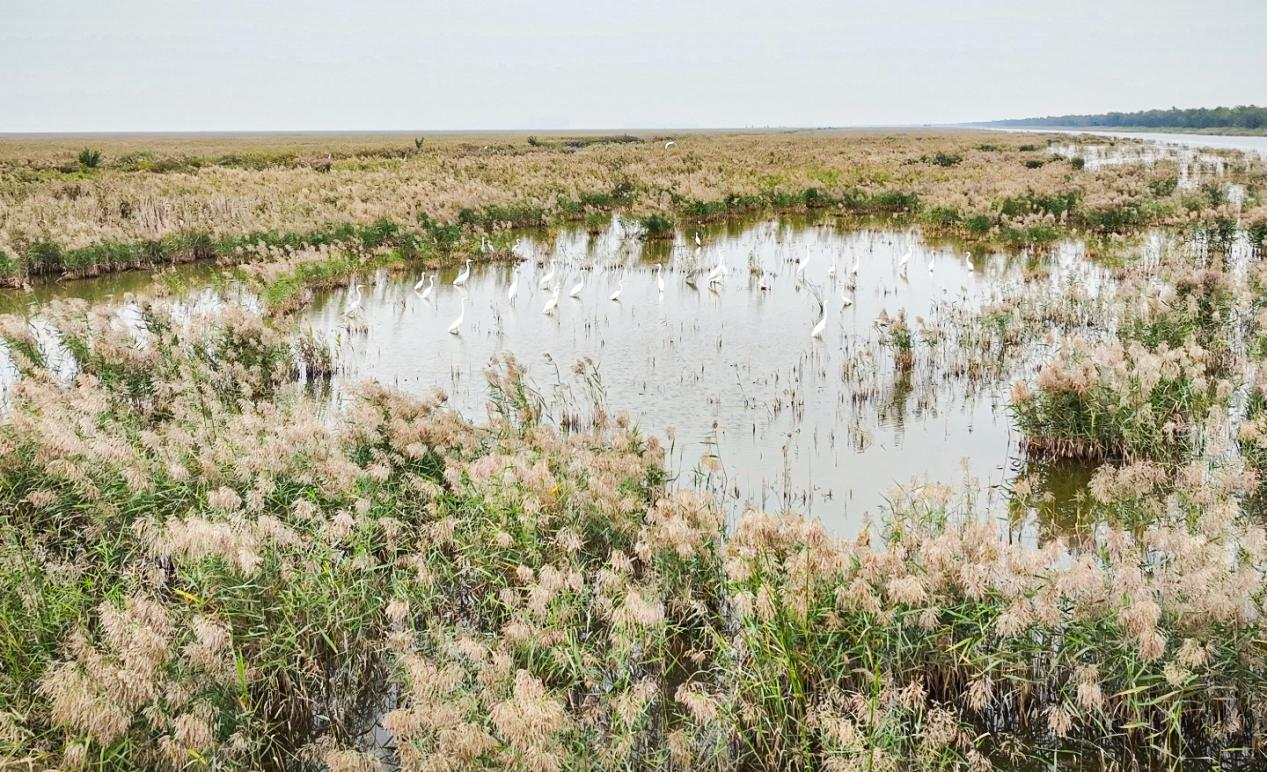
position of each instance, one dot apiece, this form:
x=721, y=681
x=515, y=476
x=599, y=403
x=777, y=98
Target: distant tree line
x=1242, y=117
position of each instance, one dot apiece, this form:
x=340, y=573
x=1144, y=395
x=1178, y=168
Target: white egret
x=422, y=280
x=552, y=303
x=846, y=299
x=831, y=271
x=430, y=288
x=453, y=328
x=697, y=241
x=932, y=261
x=659, y=277
x=615, y=296
x=817, y=332
x=514, y=287
x=575, y=292
x=549, y=277
x=716, y=274
x=462, y=277
x=354, y=304
x=906, y=258
x=857, y=263
x=763, y=283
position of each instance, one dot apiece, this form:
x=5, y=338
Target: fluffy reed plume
x=209, y=566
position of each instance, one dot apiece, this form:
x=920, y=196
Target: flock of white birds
x=552, y=283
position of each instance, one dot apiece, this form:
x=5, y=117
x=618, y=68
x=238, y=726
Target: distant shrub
x=418, y=142
x=89, y=158
x=944, y=159
x=1078, y=162
x=656, y=226
x=1034, y=163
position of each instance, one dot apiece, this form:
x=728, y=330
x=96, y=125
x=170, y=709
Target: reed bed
x=208, y=567
x=151, y=201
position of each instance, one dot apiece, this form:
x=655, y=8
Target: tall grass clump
x=1115, y=400
x=89, y=158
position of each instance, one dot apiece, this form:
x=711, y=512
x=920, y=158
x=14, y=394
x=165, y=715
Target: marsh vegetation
x=635, y=493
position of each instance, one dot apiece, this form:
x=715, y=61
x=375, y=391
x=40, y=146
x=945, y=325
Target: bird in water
x=549, y=277
x=426, y=293
x=354, y=305
x=552, y=303
x=462, y=277
x=659, y=277
x=575, y=292
x=615, y=296
x=817, y=332
x=514, y=288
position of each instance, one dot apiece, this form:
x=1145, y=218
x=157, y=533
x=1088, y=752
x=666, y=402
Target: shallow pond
x=749, y=402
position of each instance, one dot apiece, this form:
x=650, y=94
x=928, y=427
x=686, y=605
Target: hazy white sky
x=169, y=65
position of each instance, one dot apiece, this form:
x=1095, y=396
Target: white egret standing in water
x=659, y=277
x=817, y=332
x=697, y=241
x=552, y=303
x=718, y=271
x=800, y=267
x=430, y=287
x=575, y=292
x=453, y=328
x=462, y=277
x=422, y=280
x=549, y=277
x=354, y=305
x=514, y=287
x=619, y=289
x=857, y=263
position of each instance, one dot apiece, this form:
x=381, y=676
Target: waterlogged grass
x=207, y=568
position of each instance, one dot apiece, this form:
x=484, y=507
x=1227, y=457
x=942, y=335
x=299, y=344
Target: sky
x=278, y=65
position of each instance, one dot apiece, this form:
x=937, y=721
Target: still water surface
x=749, y=402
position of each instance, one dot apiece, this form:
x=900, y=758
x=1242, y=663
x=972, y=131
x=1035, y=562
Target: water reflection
x=751, y=404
